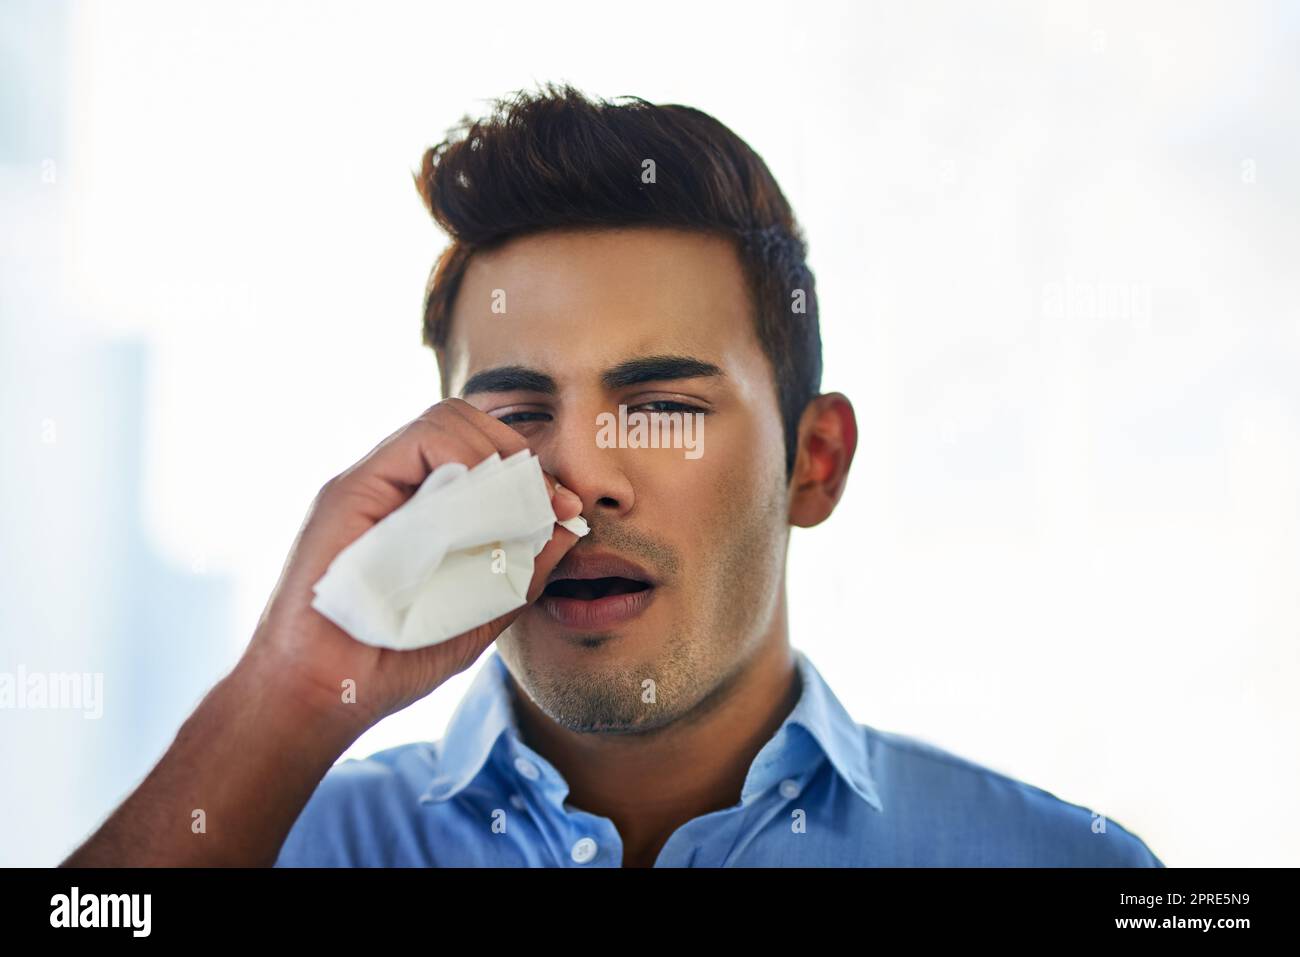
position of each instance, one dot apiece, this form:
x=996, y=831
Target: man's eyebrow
x=510, y=379
x=655, y=368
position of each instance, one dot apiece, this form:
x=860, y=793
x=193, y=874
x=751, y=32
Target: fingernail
x=560, y=490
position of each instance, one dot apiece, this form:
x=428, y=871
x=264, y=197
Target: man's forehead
x=576, y=305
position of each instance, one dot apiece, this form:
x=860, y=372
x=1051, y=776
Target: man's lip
x=597, y=614
x=599, y=565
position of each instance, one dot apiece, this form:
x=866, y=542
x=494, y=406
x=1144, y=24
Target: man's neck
x=651, y=784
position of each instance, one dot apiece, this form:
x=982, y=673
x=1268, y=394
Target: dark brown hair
x=558, y=160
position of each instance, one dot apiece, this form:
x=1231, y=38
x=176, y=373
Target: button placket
x=584, y=850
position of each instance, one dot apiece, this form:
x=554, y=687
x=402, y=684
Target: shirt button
x=584, y=850
x=790, y=788
x=527, y=768
x=517, y=800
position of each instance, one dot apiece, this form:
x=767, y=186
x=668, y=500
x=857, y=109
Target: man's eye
x=659, y=405
x=513, y=417
x=672, y=407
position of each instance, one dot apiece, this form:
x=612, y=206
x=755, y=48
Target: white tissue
x=455, y=556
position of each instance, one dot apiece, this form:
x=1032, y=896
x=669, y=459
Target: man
x=645, y=708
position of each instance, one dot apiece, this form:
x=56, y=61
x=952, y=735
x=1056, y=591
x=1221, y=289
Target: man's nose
x=594, y=474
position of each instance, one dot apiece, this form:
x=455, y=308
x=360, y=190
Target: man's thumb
x=561, y=541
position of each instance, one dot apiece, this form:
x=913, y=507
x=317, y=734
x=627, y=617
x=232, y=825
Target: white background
x=1055, y=247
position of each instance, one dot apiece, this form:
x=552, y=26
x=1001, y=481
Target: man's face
x=709, y=531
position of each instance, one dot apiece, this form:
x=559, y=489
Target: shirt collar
x=484, y=722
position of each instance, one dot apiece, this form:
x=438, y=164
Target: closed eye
x=514, y=417
x=664, y=405
x=673, y=407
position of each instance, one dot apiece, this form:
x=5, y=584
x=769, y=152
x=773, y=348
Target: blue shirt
x=824, y=791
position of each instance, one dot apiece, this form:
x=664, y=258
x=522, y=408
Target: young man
x=645, y=708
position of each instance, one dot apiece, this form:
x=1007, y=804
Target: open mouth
x=591, y=589
x=597, y=591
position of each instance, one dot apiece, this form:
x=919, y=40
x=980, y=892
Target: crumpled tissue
x=456, y=555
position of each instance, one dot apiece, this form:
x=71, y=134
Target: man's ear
x=828, y=437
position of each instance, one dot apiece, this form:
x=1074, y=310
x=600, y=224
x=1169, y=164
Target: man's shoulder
x=404, y=768
x=999, y=818
x=360, y=805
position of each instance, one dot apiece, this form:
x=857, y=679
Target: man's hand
x=245, y=763
x=311, y=654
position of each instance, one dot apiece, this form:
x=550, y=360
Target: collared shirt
x=824, y=791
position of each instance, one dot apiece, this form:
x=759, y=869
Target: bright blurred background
x=1056, y=249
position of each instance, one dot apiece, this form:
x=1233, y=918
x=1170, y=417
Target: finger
x=506, y=440
x=435, y=437
x=374, y=488
x=561, y=541
x=482, y=444
x=564, y=501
